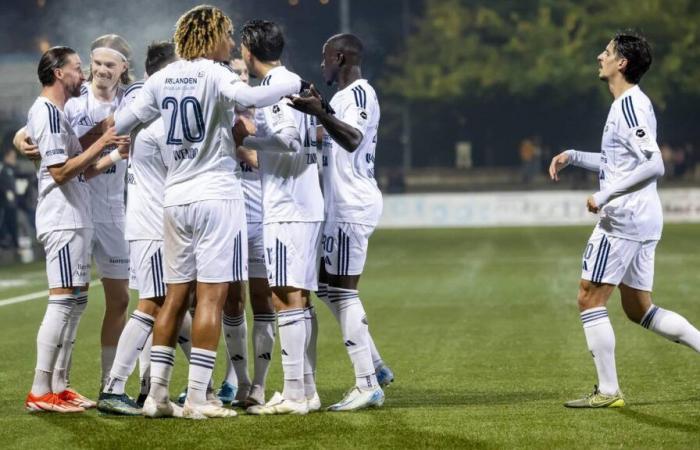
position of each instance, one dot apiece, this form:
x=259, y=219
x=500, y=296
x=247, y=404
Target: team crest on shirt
x=363, y=116
x=277, y=115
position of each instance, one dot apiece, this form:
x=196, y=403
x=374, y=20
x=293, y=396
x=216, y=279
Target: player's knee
x=588, y=296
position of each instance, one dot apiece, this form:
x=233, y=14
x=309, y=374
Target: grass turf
x=480, y=327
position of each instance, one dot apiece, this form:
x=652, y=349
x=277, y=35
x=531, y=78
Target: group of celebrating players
x=224, y=187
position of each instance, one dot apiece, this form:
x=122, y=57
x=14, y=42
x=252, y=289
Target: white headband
x=111, y=50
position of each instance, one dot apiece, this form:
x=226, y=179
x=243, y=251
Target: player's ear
x=622, y=64
x=341, y=59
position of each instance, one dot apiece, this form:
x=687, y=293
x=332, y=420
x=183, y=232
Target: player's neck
x=348, y=75
x=619, y=86
x=264, y=67
x=56, y=94
x=103, y=94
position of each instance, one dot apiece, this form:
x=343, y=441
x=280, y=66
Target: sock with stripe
x=201, y=368
x=377, y=360
x=145, y=365
x=311, y=325
x=162, y=362
x=65, y=355
x=672, y=326
x=353, y=324
x=131, y=342
x=184, y=338
x=49, y=340
x=601, y=343
x=292, y=332
x=263, y=342
x=236, y=337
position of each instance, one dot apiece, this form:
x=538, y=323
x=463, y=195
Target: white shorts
x=292, y=254
x=256, y=251
x=614, y=260
x=111, y=251
x=345, y=247
x=146, y=268
x=67, y=257
x=205, y=241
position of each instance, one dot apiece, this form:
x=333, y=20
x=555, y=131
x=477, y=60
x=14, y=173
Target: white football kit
x=621, y=248
x=204, y=217
x=63, y=220
x=252, y=194
x=107, y=189
x=144, y=206
x=353, y=199
x=291, y=192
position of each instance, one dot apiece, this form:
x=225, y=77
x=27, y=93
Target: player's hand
x=242, y=129
x=309, y=102
x=107, y=123
x=592, y=207
x=110, y=137
x=124, y=151
x=558, y=162
x=29, y=149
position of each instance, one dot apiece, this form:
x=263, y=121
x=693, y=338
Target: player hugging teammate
x=187, y=234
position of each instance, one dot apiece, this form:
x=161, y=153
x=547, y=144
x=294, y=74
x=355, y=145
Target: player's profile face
x=72, y=75
x=238, y=66
x=106, y=68
x=608, y=62
x=328, y=64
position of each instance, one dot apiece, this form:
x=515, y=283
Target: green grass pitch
x=480, y=327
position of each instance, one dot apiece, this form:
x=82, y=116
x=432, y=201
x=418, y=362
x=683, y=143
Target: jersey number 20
x=186, y=106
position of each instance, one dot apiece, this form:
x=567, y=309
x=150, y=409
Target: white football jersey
x=59, y=207
x=145, y=178
x=197, y=117
x=629, y=138
x=349, y=186
x=252, y=192
x=107, y=189
x=290, y=185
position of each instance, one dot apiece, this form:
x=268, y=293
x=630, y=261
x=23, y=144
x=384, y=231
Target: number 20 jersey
x=197, y=120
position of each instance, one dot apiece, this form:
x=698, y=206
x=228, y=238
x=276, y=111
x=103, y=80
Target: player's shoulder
x=43, y=113
x=279, y=75
x=132, y=90
x=359, y=92
x=633, y=104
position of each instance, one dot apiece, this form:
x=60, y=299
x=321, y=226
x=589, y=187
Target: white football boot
x=357, y=399
x=205, y=411
x=279, y=405
x=153, y=408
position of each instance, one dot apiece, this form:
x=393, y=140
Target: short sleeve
x=228, y=83
x=50, y=135
x=279, y=116
x=354, y=110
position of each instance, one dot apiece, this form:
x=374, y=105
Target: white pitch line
x=36, y=295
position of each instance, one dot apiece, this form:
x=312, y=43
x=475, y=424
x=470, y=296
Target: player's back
x=630, y=126
x=198, y=136
x=64, y=206
x=291, y=188
x=352, y=194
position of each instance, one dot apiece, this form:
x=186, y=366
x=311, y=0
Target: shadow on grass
x=411, y=398
x=656, y=421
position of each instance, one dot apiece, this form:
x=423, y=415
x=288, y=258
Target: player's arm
x=587, y=160
x=95, y=132
x=248, y=156
x=276, y=131
x=143, y=108
x=107, y=161
x=25, y=146
x=346, y=135
x=233, y=90
x=70, y=168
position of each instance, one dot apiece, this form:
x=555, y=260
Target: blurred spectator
x=680, y=162
x=8, y=199
x=396, y=183
x=530, y=155
x=667, y=156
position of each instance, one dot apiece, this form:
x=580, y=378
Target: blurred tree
x=466, y=50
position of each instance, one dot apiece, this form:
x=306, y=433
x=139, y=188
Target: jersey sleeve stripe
x=133, y=87
x=634, y=114
x=628, y=112
x=363, y=96
x=54, y=124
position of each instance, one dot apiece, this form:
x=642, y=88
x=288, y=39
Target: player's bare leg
x=640, y=309
x=116, y=306
x=236, y=338
x=592, y=300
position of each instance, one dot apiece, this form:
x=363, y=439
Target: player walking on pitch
x=204, y=217
x=620, y=251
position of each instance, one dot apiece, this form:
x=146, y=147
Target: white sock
x=162, y=362
x=377, y=360
x=145, y=365
x=601, y=343
x=672, y=326
x=311, y=324
x=263, y=343
x=292, y=332
x=201, y=367
x=49, y=339
x=131, y=343
x=322, y=294
x=62, y=368
x=236, y=337
x=184, y=338
x=353, y=324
